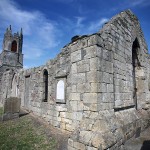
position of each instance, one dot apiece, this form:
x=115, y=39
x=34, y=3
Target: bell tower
x=11, y=56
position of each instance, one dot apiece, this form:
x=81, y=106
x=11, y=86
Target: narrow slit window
x=45, y=78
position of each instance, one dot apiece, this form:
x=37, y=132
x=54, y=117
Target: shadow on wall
x=146, y=145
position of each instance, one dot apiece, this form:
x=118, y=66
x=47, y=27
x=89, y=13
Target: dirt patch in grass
x=28, y=133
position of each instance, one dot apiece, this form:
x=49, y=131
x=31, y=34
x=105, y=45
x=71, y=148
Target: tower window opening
x=14, y=46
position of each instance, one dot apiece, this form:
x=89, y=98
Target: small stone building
x=97, y=88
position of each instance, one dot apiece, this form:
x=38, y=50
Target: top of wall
x=125, y=20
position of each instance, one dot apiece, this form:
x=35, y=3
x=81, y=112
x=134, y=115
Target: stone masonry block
x=76, y=56
x=73, y=105
x=92, y=76
x=74, y=68
x=93, y=63
x=82, y=67
x=94, y=87
x=82, y=88
x=74, y=96
x=110, y=88
x=92, y=51
x=78, y=78
x=102, y=87
x=79, y=146
x=106, y=97
x=107, y=78
x=90, y=97
x=91, y=148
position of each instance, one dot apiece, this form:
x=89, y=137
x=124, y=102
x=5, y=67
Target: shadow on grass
x=23, y=113
x=146, y=145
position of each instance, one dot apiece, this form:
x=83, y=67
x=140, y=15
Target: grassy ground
x=1, y=111
x=24, y=134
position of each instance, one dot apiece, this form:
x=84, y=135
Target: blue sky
x=48, y=25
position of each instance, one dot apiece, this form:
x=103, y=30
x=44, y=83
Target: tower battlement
x=11, y=56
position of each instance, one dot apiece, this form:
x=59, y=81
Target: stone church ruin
x=97, y=88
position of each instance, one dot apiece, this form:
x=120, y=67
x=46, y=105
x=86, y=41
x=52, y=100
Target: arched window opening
x=60, y=90
x=45, y=79
x=135, y=64
x=14, y=46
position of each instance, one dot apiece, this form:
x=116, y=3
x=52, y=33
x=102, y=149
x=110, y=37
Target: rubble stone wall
x=98, y=86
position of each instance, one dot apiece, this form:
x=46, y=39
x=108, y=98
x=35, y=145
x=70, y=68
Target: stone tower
x=11, y=56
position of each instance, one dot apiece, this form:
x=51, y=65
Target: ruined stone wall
x=118, y=116
x=6, y=85
x=103, y=98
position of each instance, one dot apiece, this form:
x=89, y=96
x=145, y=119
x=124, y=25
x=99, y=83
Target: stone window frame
x=61, y=78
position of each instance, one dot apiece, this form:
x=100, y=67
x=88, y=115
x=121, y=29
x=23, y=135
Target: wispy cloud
x=40, y=33
x=94, y=26
x=42, y=36
x=80, y=25
x=140, y=3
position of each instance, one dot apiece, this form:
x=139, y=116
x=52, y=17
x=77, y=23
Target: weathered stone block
x=90, y=97
x=70, y=127
x=84, y=87
x=94, y=87
x=102, y=87
x=78, y=78
x=94, y=63
x=97, y=141
x=101, y=126
x=74, y=96
x=74, y=105
x=85, y=136
x=92, y=76
x=82, y=67
x=91, y=148
x=79, y=146
x=110, y=88
x=74, y=68
x=107, y=77
x=76, y=56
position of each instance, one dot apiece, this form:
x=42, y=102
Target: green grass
x=24, y=134
x=1, y=111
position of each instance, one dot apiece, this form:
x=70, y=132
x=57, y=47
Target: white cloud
x=135, y=3
x=80, y=26
x=39, y=33
x=94, y=26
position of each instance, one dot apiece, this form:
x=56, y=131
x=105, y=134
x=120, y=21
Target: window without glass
x=45, y=78
x=14, y=46
x=135, y=63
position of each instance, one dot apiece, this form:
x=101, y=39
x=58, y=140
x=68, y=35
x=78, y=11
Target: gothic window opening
x=45, y=79
x=14, y=46
x=135, y=64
